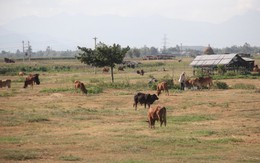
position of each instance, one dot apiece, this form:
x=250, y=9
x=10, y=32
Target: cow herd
x=157, y=113
x=31, y=79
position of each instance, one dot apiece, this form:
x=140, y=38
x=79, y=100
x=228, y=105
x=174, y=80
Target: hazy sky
x=214, y=11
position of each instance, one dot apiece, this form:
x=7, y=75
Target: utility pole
x=95, y=38
x=29, y=51
x=23, y=51
x=164, y=43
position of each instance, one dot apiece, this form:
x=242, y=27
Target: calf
x=155, y=114
x=144, y=99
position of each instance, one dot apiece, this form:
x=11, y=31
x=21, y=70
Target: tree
x=103, y=55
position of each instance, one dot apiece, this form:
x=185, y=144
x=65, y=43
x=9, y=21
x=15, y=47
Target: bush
x=221, y=69
x=220, y=85
x=94, y=90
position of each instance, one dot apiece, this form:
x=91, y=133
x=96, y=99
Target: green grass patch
x=191, y=118
x=9, y=140
x=20, y=155
x=56, y=90
x=6, y=94
x=243, y=86
x=37, y=119
x=226, y=140
x=70, y=158
x=204, y=132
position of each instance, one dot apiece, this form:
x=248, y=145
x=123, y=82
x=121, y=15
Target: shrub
x=221, y=69
x=95, y=90
x=220, y=85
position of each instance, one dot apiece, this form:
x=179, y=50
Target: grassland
x=54, y=123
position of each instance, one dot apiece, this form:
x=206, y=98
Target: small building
x=230, y=61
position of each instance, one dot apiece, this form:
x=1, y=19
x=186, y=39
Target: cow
x=7, y=60
x=200, y=82
x=105, y=69
x=5, y=83
x=31, y=79
x=146, y=99
x=121, y=68
x=256, y=69
x=163, y=86
x=156, y=114
x=204, y=82
x=81, y=86
x=141, y=72
x=21, y=73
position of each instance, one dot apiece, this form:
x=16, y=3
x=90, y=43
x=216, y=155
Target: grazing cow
x=31, y=79
x=155, y=114
x=202, y=82
x=7, y=60
x=81, y=86
x=144, y=99
x=152, y=80
x=105, y=69
x=256, y=69
x=120, y=68
x=5, y=83
x=21, y=73
x=162, y=87
x=141, y=72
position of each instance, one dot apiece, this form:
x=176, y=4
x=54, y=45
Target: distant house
x=231, y=62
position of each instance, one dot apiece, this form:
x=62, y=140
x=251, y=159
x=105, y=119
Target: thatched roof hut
x=208, y=51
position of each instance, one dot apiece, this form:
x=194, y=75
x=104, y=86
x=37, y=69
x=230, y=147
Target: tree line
x=139, y=52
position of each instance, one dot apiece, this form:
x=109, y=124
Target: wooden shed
x=229, y=61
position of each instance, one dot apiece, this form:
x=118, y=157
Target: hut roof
x=213, y=60
x=208, y=50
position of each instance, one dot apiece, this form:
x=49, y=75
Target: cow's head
x=154, y=97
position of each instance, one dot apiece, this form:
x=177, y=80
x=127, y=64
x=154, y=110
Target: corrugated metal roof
x=213, y=60
x=247, y=59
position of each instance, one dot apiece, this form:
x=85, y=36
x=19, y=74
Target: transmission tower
x=27, y=50
x=164, y=43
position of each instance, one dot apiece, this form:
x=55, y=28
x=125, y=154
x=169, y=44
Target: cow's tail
x=83, y=88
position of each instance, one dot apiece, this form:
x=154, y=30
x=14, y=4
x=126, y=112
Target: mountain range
x=66, y=32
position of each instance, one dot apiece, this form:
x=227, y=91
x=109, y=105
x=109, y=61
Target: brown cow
x=120, y=68
x=256, y=69
x=21, y=73
x=163, y=86
x=155, y=114
x=31, y=79
x=202, y=82
x=105, y=69
x=5, y=83
x=81, y=86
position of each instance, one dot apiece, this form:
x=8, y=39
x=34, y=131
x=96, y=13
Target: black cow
x=144, y=99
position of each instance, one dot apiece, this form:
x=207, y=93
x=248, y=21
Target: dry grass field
x=54, y=123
